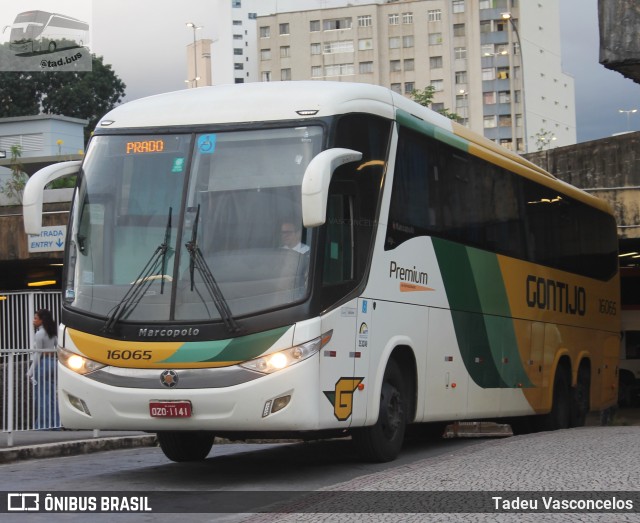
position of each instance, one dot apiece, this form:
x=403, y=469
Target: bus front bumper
x=250, y=406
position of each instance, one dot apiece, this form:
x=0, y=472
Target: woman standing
x=42, y=370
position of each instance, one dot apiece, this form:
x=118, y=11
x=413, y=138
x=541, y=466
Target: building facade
x=495, y=63
x=234, y=48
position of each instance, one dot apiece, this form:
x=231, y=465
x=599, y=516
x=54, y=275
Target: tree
x=83, y=94
x=425, y=98
x=14, y=186
x=543, y=139
x=86, y=95
x=18, y=95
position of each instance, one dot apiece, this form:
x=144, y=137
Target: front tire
x=185, y=446
x=382, y=442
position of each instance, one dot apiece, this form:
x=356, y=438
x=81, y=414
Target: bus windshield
x=165, y=227
x=28, y=26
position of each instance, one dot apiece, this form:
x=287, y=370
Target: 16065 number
x=129, y=354
x=608, y=307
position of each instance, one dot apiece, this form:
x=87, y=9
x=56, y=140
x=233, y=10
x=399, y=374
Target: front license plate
x=170, y=409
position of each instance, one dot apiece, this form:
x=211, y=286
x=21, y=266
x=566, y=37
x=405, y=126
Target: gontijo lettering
x=412, y=275
x=556, y=296
x=145, y=146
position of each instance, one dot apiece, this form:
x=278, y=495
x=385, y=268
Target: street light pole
x=507, y=16
x=195, y=56
x=628, y=112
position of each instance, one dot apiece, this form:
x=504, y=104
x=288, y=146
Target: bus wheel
x=52, y=47
x=560, y=414
x=382, y=442
x=625, y=387
x=185, y=446
x=580, y=399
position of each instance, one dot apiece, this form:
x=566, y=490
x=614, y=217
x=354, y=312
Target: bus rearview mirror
x=33, y=194
x=315, y=183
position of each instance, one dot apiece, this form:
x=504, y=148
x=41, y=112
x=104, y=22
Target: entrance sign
x=50, y=239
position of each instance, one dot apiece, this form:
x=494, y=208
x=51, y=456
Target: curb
x=74, y=448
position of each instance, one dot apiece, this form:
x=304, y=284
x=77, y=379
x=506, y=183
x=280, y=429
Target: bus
x=445, y=278
x=41, y=31
x=629, y=382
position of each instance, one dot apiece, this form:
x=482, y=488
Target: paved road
x=585, y=460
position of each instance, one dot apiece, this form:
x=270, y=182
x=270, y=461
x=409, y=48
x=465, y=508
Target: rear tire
x=559, y=417
x=625, y=387
x=185, y=446
x=580, y=399
x=382, y=442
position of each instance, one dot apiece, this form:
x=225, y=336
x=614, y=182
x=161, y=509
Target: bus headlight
x=78, y=363
x=285, y=358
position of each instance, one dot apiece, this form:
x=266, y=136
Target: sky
x=145, y=42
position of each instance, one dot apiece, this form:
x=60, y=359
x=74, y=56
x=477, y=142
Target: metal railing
x=28, y=400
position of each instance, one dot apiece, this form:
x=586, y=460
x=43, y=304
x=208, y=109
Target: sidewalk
x=55, y=443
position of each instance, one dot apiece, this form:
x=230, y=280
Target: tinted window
x=441, y=191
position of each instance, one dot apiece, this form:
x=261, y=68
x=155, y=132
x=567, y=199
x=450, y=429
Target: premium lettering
x=411, y=275
x=557, y=296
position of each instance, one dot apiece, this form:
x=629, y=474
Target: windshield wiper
x=153, y=270
x=198, y=262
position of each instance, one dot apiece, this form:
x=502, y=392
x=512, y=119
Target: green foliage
x=68, y=182
x=425, y=98
x=13, y=187
x=84, y=94
x=78, y=94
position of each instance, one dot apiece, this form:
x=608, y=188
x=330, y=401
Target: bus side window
x=338, y=255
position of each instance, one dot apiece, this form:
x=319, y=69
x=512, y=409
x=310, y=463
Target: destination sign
x=145, y=146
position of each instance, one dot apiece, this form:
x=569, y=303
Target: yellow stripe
x=98, y=348
x=498, y=155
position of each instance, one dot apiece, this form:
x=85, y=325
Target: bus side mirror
x=33, y=194
x=315, y=183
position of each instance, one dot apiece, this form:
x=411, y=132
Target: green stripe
x=481, y=315
x=242, y=348
x=423, y=127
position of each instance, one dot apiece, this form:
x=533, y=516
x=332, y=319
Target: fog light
x=280, y=403
x=79, y=404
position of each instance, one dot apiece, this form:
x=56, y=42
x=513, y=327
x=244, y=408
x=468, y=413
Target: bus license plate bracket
x=170, y=409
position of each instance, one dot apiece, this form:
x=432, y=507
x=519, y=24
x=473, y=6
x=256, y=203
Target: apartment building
x=234, y=56
x=495, y=63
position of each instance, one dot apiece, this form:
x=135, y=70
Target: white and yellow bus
x=437, y=276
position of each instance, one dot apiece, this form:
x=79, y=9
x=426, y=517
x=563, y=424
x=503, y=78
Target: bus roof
x=270, y=101
x=42, y=16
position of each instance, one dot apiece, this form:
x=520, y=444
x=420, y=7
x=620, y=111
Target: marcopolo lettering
x=168, y=333
x=556, y=296
x=411, y=275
